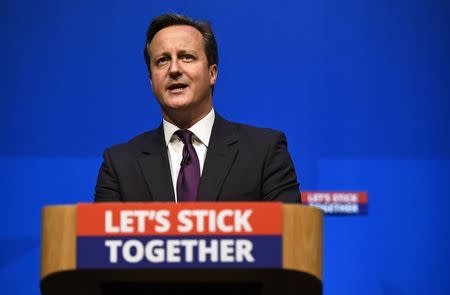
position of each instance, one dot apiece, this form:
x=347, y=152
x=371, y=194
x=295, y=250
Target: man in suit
x=195, y=155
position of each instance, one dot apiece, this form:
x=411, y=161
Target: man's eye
x=187, y=57
x=161, y=61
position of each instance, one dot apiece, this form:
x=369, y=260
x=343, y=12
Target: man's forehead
x=176, y=36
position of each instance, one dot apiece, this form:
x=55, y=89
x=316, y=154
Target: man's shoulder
x=252, y=133
x=136, y=144
x=245, y=133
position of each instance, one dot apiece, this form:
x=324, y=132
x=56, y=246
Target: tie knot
x=185, y=136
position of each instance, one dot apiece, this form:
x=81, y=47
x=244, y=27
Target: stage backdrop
x=361, y=89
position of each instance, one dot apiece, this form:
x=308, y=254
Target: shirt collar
x=202, y=129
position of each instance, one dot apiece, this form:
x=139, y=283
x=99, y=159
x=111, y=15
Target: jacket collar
x=221, y=154
x=154, y=164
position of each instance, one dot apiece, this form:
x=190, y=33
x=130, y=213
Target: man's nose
x=175, y=70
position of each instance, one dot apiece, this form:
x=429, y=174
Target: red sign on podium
x=165, y=235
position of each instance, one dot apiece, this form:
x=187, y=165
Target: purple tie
x=189, y=176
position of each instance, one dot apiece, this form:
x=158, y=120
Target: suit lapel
x=222, y=152
x=154, y=164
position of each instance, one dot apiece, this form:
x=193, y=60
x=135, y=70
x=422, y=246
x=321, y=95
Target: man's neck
x=185, y=119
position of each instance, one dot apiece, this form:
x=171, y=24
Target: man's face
x=180, y=76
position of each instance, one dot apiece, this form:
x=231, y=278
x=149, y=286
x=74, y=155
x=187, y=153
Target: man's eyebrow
x=191, y=51
x=167, y=54
x=159, y=54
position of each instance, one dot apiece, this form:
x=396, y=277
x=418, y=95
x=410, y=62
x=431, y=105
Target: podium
x=300, y=271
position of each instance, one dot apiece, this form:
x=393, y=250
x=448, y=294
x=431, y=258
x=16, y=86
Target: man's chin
x=177, y=106
x=176, y=101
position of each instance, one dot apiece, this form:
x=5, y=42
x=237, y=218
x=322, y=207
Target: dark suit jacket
x=243, y=163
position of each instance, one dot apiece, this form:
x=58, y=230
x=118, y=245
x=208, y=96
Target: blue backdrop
x=361, y=89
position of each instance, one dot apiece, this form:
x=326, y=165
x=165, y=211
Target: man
x=195, y=155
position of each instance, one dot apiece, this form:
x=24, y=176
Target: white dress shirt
x=202, y=133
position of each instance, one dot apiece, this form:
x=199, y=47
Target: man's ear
x=213, y=71
x=150, y=79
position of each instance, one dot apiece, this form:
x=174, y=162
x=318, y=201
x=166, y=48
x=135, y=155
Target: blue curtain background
x=361, y=89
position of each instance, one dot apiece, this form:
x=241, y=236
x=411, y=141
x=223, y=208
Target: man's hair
x=166, y=20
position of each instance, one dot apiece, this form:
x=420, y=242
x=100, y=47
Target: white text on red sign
x=199, y=220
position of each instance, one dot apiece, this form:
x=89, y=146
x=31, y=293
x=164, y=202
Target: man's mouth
x=177, y=87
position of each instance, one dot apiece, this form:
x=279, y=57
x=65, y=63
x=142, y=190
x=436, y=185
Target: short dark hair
x=166, y=20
